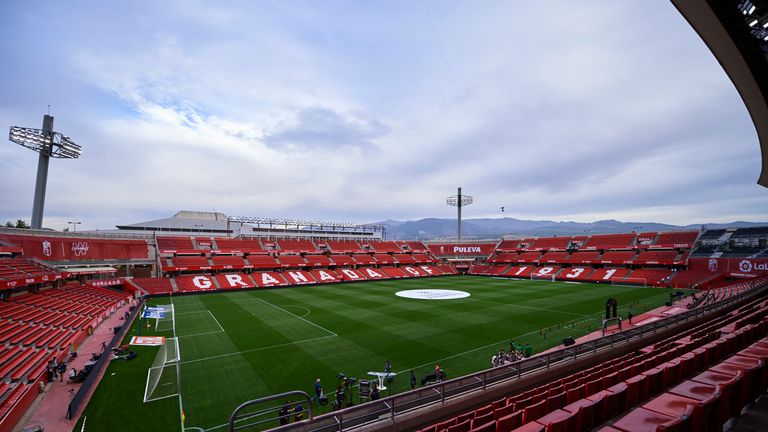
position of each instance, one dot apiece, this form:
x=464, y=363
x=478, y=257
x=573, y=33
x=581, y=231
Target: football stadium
x=204, y=321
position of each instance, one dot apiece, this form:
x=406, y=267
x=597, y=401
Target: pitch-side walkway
x=677, y=307
x=49, y=410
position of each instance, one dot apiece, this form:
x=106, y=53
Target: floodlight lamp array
x=303, y=223
x=51, y=144
x=454, y=200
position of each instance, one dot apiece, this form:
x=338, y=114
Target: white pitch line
x=303, y=319
x=217, y=321
x=201, y=334
x=257, y=349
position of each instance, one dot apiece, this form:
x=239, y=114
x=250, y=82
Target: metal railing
x=390, y=408
x=238, y=417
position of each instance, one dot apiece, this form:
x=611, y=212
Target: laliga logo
x=713, y=265
x=80, y=248
x=47, y=248
x=745, y=266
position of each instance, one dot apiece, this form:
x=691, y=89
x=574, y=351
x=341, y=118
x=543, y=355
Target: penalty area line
x=257, y=349
x=293, y=314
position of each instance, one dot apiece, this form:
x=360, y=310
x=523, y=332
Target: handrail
x=389, y=408
x=236, y=417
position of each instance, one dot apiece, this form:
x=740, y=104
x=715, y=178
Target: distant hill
x=489, y=228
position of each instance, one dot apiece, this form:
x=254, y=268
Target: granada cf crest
x=713, y=265
x=47, y=251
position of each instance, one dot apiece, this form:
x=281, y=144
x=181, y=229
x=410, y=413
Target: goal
x=167, y=321
x=630, y=281
x=546, y=277
x=163, y=376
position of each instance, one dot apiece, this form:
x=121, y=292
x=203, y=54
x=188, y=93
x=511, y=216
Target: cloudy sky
x=369, y=110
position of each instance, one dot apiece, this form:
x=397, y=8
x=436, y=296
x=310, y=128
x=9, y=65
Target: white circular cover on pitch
x=432, y=294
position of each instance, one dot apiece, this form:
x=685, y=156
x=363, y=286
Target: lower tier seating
x=693, y=381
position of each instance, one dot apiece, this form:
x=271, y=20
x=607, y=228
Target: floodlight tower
x=459, y=201
x=48, y=144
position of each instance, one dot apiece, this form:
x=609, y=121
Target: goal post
x=545, y=277
x=630, y=281
x=163, y=375
x=166, y=321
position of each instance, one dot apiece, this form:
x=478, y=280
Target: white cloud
x=352, y=111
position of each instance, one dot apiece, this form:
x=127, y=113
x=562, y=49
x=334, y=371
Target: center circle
x=432, y=294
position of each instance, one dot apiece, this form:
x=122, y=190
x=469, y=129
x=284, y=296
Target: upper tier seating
x=364, y=259
x=227, y=262
x=292, y=261
x=645, y=239
x=382, y=258
x=191, y=262
x=242, y=246
x=553, y=257
x=176, y=245
x=423, y=258
x=404, y=258
x=617, y=257
x=344, y=246
x=384, y=246
x=582, y=257
x=659, y=257
x=676, y=239
x=504, y=257
x=342, y=260
x=550, y=243
x=508, y=245
x=318, y=261
x=529, y=257
x=14, y=269
x=296, y=245
x=609, y=241
x=263, y=261
x=415, y=246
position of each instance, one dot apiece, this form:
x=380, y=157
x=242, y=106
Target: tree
x=20, y=223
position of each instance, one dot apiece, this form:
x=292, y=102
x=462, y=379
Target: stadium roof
x=737, y=34
x=187, y=222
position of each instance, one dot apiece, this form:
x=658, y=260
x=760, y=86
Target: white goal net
x=163, y=376
x=544, y=276
x=630, y=281
x=168, y=320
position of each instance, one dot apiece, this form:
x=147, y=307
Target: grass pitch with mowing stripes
x=243, y=345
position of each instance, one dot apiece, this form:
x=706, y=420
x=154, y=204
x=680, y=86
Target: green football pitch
x=243, y=345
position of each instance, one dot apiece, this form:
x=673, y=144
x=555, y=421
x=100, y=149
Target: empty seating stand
x=693, y=381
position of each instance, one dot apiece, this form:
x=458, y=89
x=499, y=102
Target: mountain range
x=494, y=228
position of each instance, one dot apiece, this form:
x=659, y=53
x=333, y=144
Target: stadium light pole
x=74, y=225
x=48, y=144
x=459, y=201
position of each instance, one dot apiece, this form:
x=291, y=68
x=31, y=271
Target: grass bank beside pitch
x=242, y=345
